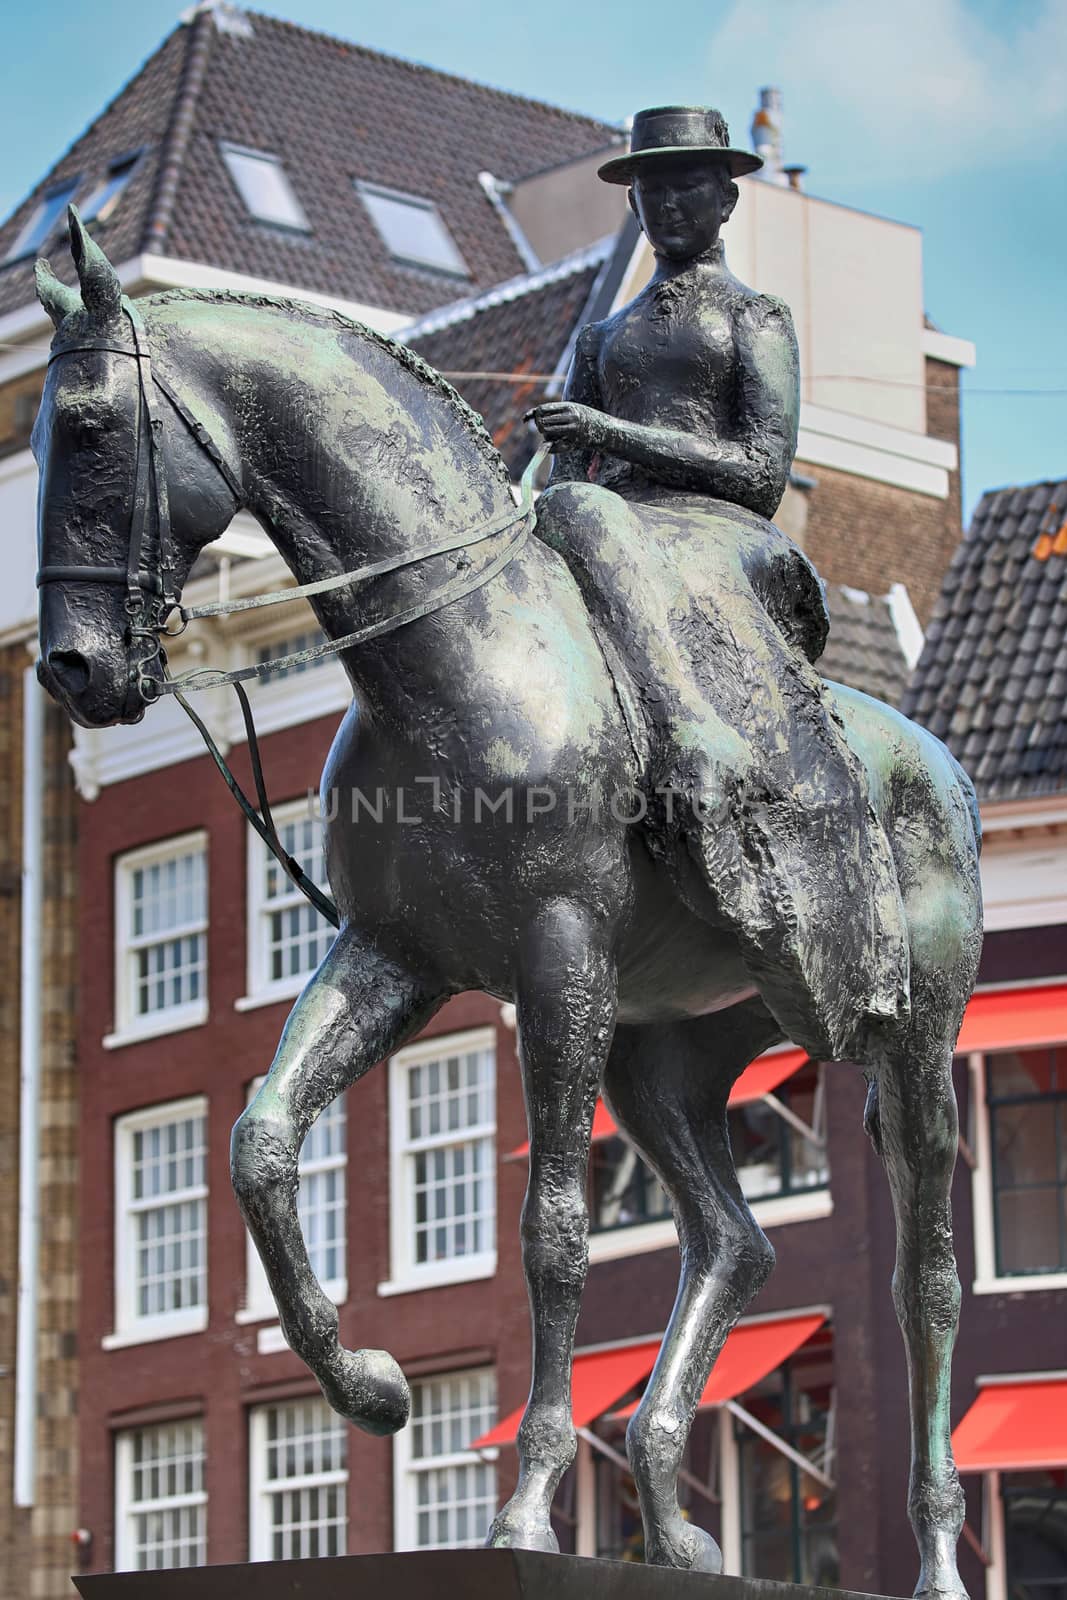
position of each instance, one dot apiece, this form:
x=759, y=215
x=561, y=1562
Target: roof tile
x=992, y=677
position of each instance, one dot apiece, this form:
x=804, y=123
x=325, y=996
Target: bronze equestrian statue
x=653, y=958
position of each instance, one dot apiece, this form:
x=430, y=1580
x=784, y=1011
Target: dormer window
x=43, y=220
x=105, y=197
x=263, y=184
x=412, y=229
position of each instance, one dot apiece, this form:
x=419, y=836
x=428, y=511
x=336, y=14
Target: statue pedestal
x=448, y=1574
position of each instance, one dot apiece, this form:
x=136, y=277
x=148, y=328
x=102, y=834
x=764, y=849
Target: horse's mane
x=326, y=317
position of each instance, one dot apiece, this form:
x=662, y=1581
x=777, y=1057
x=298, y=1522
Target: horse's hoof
x=368, y=1388
x=690, y=1550
x=512, y=1530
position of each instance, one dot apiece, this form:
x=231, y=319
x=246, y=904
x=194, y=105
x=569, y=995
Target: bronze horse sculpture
x=348, y=450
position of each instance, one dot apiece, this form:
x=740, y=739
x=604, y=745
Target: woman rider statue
x=673, y=445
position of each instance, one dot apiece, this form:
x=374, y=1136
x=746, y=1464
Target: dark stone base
x=441, y=1575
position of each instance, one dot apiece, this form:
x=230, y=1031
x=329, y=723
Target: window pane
x=1029, y=1235
x=103, y=200
x=1025, y=1143
x=298, y=936
x=321, y=1196
x=1035, y=1526
x=167, y=1513
x=45, y=217
x=412, y=229
x=788, y=1517
x=1022, y=1072
x=455, y=1501
x=291, y=646
x=168, y=967
x=169, y=1236
x=624, y=1190
x=264, y=187
x=305, y=1441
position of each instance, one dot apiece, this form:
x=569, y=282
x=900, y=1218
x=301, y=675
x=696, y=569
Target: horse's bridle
x=151, y=596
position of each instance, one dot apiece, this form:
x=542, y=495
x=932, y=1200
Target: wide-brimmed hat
x=695, y=131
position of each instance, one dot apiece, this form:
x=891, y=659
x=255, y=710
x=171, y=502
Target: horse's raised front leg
x=668, y=1088
x=912, y=1117
x=356, y=1009
x=565, y=1005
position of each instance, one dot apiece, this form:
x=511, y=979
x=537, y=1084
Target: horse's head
x=98, y=498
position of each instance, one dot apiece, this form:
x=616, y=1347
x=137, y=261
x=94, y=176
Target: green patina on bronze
x=802, y=863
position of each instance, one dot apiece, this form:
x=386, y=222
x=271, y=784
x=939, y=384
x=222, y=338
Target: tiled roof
x=864, y=648
x=332, y=112
x=523, y=326
x=992, y=680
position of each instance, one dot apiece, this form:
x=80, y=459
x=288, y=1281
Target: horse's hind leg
x=911, y=1116
x=355, y=1010
x=668, y=1088
x=565, y=1005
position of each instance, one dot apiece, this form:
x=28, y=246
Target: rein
x=149, y=612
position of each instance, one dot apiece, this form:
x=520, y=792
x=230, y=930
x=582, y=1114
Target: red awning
x=752, y=1351
x=598, y=1379
x=1016, y=1426
x=762, y=1077
x=1015, y=1019
x=602, y=1377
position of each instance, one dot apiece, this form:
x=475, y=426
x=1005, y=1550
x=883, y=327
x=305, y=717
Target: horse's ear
x=101, y=289
x=58, y=300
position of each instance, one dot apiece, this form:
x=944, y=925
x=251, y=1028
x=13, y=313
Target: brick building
x=199, y=1436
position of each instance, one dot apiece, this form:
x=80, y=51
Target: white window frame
x=296, y=221
x=456, y=268
x=261, y=989
x=406, y=1469
x=296, y=699
x=31, y=238
x=129, y=1026
x=125, y=1506
x=262, y=1490
x=407, y=1275
x=259, y=1302
x=129, y=1327
x=986, y=1279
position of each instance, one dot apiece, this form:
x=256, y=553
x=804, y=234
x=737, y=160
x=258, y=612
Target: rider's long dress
x=719, y=618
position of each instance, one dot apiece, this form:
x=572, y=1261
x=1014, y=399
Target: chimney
x=767, y=134
x=767, y=141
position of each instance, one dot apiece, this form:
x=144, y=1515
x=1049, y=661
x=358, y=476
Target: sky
x=948, y=114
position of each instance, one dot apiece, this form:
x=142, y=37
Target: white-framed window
x=43, y=220
x=298, y=1455
x=161, y=1222
x=263, y=184
x=160, y=1499
x=161, y=920
x=320, y=1200
x=101, y=203
x=287, y=937
x=291, y=644
x=442, y=1122
x=444, y=1494
x=288, y=696
x=1019, y=1180
x=412, y=229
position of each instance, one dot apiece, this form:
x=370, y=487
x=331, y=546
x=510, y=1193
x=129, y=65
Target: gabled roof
x=332, y=112
x=992, y=680
x=524, y=326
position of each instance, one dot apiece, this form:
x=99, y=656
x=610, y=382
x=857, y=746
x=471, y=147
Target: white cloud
x=922, y=85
